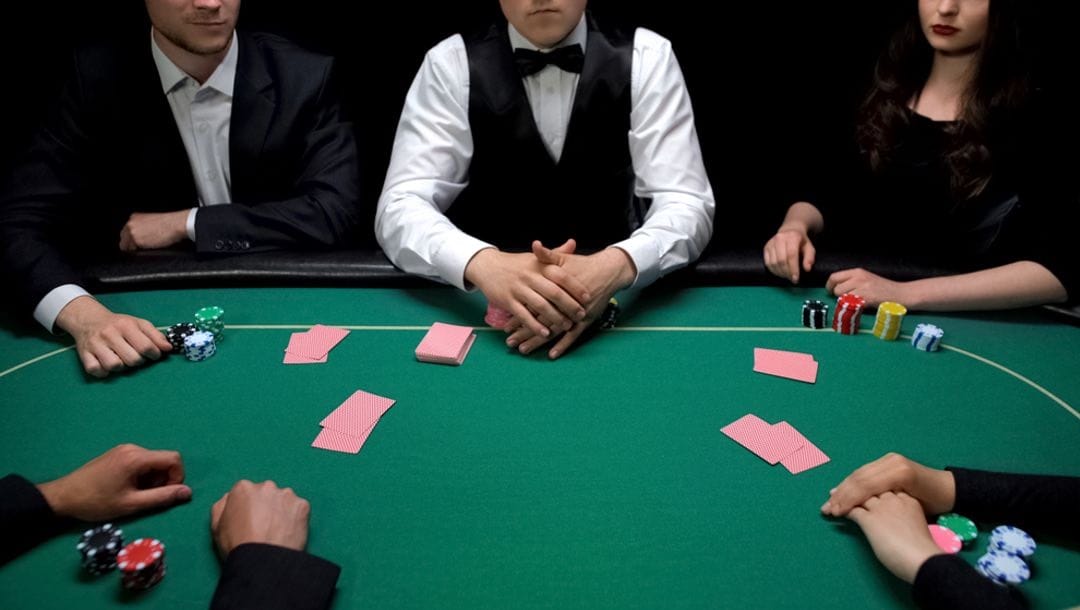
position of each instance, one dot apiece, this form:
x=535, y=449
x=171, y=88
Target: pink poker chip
x=495, y=317
x=945, y=539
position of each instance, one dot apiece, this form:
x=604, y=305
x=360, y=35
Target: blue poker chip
x=1003, y=568
x=1012, y=540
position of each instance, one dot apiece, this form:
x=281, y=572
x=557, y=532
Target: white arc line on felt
x=701, y=329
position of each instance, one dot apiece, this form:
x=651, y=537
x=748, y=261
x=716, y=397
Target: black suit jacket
x=257, y=576
x=112, y=147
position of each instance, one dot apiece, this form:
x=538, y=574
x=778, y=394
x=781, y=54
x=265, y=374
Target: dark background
x=774, y=85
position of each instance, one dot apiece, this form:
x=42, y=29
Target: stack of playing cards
x=312, y=346
x=445, y=344
x=349, y=425
x=779, y=442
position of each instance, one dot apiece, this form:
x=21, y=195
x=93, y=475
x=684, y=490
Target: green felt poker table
x=600, y=480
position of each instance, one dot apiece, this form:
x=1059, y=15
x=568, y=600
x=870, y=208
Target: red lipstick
x=944, y=30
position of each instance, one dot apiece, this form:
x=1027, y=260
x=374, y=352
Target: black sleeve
x=322, y=208
x=1049, y=196
x=268, y=577
x=1043, y=504
x=25, y=517
x=36, y=206
x=948, y=582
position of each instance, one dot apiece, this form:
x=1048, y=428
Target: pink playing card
x=764, y=440
x=445, y=344
x=806, y=457
x=329, y=335
x=809, y=456
x=317, y=342
x=790, y=365
x=358, y=414
x=338, y=441
x=291, y=358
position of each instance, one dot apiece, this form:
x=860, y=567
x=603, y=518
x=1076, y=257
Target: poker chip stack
x=927, y=337
x=142, y=564
x=610, y=314
x=814, y=314
x=212, y=320
x=848, y=314
x=496, y=317
x=890, y=316
x=199, y=346
x=177, y=333
x=99, y=547
x=1005, y=561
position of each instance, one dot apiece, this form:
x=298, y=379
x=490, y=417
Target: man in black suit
x=259, y=529
x=229, y=140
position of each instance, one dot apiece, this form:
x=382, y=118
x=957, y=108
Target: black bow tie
x=569, y=58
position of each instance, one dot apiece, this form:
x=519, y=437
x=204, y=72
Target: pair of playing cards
x=445, y=344
x=312, y=346
x=779, y=442
x=348, y=426
x=790, y=365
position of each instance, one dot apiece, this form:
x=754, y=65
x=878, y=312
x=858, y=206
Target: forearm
x=675, y=233
x=419, y=239
x=268, y=577
x=947, y=581
x=803, y=217
x=1020, y=284
x=1039, y=502
x=25, y=517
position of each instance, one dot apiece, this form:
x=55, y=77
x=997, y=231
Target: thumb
x=568, y=247
x=545, y=255
x=160, y=497
x=809, y=253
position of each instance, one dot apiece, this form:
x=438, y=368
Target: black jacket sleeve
x=25, y=517
x=268, y=577
x=948, y=582
x=1037, y=503
x=1042, y=504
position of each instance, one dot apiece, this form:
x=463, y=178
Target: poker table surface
x=599, y=480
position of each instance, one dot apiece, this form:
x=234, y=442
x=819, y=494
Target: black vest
x=517, y=192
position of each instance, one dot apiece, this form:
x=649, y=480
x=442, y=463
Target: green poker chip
x=960, y=525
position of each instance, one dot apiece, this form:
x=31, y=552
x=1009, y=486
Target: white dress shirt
x=202, y=114
x=429, y=166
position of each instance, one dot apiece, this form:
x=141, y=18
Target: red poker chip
x=140, y=554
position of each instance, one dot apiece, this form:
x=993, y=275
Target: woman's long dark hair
x=1000, y=84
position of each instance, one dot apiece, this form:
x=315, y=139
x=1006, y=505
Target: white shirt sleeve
x=190, y=225
x=667, y=164
x=50, y=306
x=429, y=167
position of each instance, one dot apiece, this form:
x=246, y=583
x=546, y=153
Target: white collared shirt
x=429, y=166
x=202, y=115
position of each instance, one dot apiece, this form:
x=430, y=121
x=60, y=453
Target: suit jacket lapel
x=162, y=154
x=253, y=107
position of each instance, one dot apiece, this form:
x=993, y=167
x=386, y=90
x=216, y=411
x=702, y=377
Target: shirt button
x=211, y=174
x=550, y=90
x=203, y=127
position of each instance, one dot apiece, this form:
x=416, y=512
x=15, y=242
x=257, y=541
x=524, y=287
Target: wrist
x=55, y=496
x=475, y=268
x=796, y=227
x=624, y=270
x=78, y=313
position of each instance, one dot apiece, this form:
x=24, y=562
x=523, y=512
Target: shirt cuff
x=646, y=257
x=191, y=224
x=454, y=256
x=49, y=307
